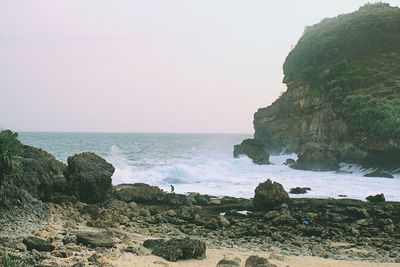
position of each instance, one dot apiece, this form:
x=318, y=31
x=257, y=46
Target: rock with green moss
x=254, y=149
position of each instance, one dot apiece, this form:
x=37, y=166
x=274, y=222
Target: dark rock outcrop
x=180, y=249
x=139, y=193
x=299, y=190
x=94, y=239
x=254, y=149
x=89, y=177
x=257, y=261
x=147, y=194
x=39, y=173
x=39, y=244
x=376, y=198
x=269, y=195
x=379, y=174
x=315, y=157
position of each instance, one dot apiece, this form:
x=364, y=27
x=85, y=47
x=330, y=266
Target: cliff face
x=343, y=90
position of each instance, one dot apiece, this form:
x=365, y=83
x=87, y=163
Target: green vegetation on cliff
x=373, y=116
x=352, y=61
x=373, y=29
x=10, y=148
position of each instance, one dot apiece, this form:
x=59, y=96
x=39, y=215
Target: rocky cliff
x=343, y=90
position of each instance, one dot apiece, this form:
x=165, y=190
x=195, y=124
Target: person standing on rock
x=172, y=189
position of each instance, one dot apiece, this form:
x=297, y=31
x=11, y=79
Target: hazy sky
x=148, y=66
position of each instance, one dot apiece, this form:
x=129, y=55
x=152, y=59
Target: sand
x=215, y=255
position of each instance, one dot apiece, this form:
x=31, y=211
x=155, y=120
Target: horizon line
x=131, y=132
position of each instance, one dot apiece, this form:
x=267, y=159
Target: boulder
x=316, y=157
x=299, y=190
x=146, y=194
x=140, y=193
x=269, y=195
x=254, y=149
x=39, y=173
x=89, y=177
x=376, y=198
x=256, y=261
x=381, y=174
x=180, y=249
x=95, y=239
x=229, y=262
x=33, y=242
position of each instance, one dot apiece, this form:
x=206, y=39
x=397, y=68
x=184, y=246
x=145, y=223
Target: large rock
x=254, y=149
x=376, y=198
x=257, y=261
x=269, y=195
x=89, y=177
x=139, y=192
x=316, y=157
x=39, y=173
x=146, y=194
x=381, y=174
x=39, y=244
x=180, y=249
x=95, y=239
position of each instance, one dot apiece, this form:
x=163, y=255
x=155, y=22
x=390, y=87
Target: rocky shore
x=52, y=214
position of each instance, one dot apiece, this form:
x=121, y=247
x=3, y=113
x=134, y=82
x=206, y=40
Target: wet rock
x=95, y=239
x=38, y=244
x=316, y=157
x=299, y=190
x=256, y=261
x=89, y=177
x=381, y=174
x=254, y=149
x=269, y=195
x=229, y=262
x=180, y=249
x=376, y=198
x=289, y=162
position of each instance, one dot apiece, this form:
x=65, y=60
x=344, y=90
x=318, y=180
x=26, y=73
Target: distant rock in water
x=379, y=174
x=315, y=157
x=254, y=149
x=299, y=190
x=376, y=198
x=269, y=195
x=89, y=177
x=343, y=93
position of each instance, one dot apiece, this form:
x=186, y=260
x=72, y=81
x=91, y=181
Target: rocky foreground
x=139, y=219
x=56, y=214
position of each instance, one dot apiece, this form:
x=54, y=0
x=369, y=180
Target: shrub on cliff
x=373, y=29
x=10, y=148
x=373, y=116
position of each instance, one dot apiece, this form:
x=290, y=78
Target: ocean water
x=204, y=163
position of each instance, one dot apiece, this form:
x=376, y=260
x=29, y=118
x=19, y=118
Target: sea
x=204, y=163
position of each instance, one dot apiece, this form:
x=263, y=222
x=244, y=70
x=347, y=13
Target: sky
x=147, y=66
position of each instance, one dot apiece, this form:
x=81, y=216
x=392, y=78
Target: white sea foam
x=220, y=174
